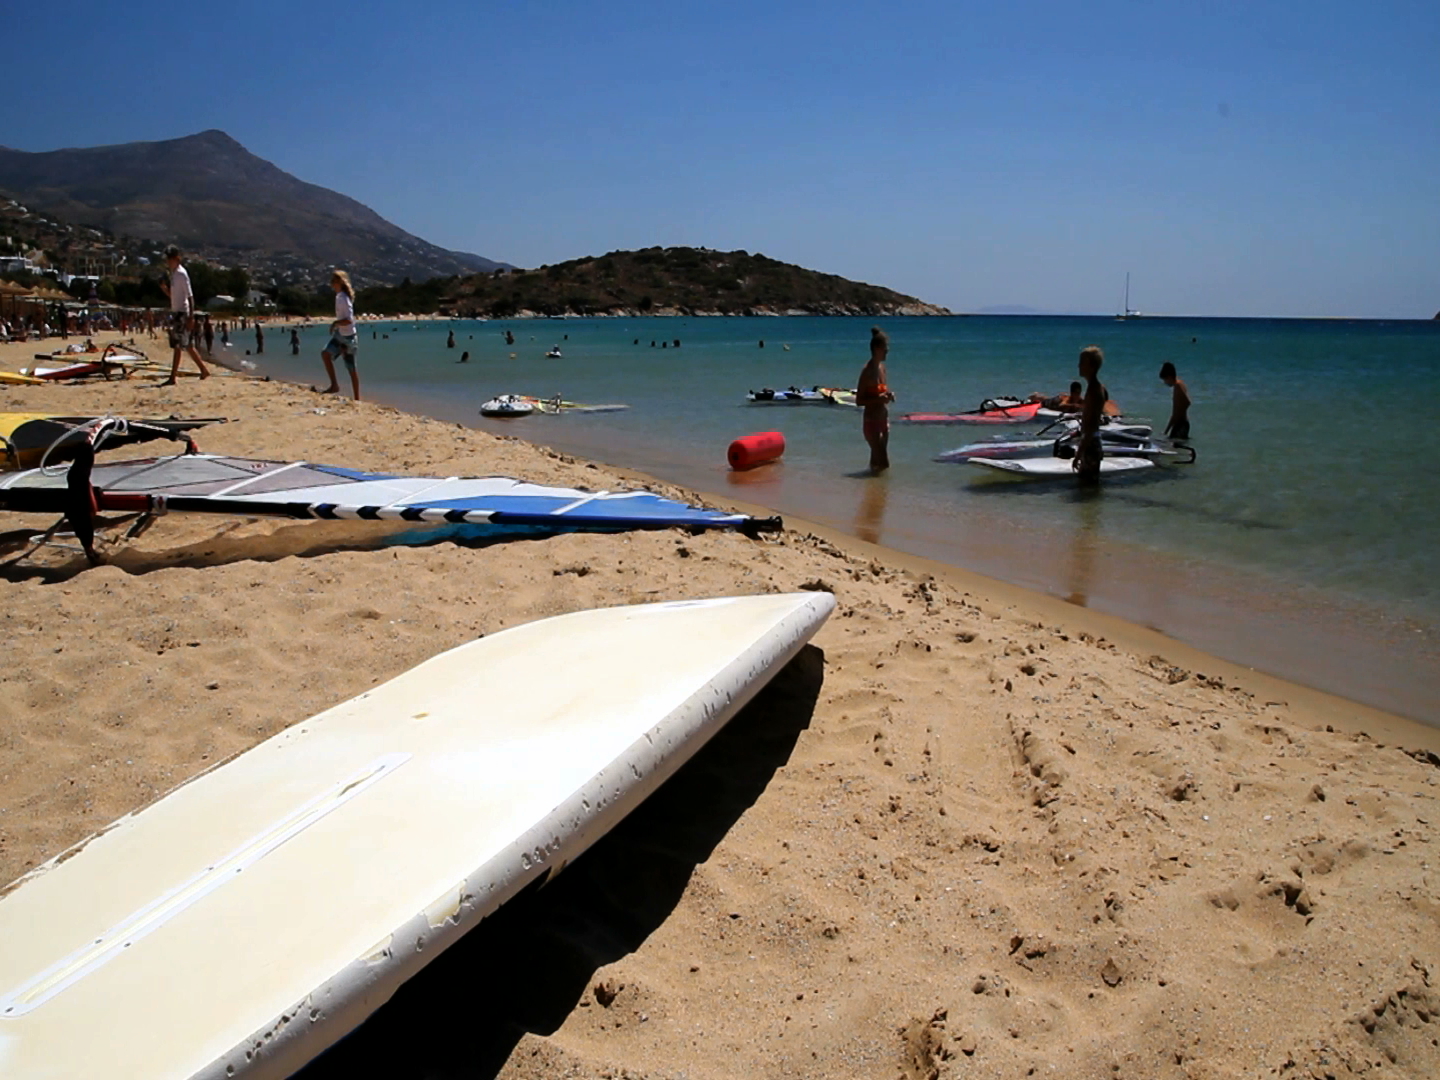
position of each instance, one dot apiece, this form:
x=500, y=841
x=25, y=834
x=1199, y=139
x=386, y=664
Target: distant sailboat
x=1128, y=313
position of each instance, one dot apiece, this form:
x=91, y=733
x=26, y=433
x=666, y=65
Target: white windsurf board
x=1052, y=467
x=253, y=916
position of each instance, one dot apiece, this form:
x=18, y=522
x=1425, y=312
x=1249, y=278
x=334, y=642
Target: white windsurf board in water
x=255, y=915
x=1053, y=467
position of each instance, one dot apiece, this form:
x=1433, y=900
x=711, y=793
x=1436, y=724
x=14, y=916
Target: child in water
x=1179, y=426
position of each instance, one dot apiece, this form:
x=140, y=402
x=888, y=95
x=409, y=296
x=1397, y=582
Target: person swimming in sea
x=873, y=395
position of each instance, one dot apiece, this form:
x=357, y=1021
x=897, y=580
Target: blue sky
x=1236, y=158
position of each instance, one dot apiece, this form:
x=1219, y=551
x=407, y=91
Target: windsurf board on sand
x=96, y=365
x=253, y=916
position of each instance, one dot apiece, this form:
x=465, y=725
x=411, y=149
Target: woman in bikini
x=873, y=396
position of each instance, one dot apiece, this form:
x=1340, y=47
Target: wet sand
x=973, y=831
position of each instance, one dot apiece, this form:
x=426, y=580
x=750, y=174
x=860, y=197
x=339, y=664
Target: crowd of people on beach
x=67, y=320
x=57, y=321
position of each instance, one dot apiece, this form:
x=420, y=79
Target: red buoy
x=750, y=450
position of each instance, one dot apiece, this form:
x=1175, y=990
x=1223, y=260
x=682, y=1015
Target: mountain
x=652, y=281
x=217, y=200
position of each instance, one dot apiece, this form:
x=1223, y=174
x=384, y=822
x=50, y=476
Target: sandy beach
x=973, y=831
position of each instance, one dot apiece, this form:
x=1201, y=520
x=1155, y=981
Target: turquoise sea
x=1305, y=541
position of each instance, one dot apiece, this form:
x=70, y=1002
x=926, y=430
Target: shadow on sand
x=230, y=544
x=527, y=966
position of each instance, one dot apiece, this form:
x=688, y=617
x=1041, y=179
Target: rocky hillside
x=209, y=194
x=654, y=281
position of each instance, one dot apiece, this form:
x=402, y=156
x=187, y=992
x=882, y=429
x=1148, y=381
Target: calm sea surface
x=1305, y=541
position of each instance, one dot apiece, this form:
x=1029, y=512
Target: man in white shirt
x=182, y=315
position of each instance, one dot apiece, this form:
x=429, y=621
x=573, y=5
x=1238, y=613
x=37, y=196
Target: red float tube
x=750, y=450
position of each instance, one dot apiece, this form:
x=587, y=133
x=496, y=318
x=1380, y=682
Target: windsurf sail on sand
x=78, y=363
x=26, y=438
x=250, y=487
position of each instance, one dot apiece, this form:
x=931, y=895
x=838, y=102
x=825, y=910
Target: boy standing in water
x=873, y=396
x=1089, y=454
x=1179, y=426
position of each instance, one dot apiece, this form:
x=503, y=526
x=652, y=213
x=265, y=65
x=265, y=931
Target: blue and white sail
x=249, y=487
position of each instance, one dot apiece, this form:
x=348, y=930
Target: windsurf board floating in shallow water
x=247, y=487
x=255, y=915
x=816, y=395
x=1125, y=440
x=1050, y=468
x=507, y=406
x=557, y=404
x=991, y=411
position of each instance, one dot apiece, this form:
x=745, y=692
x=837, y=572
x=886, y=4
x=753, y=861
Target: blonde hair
x=344, y=279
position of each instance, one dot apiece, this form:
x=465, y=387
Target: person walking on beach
x=1089, y=454
x=874, y=397
x=342, y=334
x=182, y=316
x=1179, y=426
x=209, y=337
